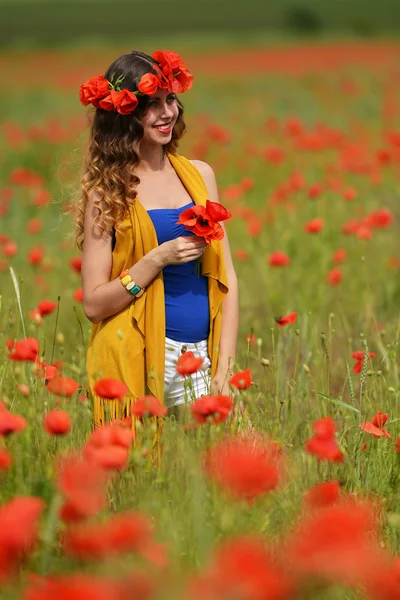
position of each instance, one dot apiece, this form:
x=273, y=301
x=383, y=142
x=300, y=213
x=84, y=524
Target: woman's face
x=160, y=118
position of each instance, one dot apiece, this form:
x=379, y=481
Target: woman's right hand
x=182, y=249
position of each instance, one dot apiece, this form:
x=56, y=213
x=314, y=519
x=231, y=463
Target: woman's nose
x=168, y=111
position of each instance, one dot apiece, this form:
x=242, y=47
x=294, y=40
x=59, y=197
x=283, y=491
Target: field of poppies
x=291, y=490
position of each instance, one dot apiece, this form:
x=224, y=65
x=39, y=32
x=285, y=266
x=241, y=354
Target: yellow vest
x=130, y=345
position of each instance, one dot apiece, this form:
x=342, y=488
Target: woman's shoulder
x=205, y=169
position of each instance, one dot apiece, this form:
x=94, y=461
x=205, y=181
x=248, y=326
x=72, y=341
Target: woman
x=140, y=287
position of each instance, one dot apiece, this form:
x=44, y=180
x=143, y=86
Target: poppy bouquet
x=171, y=74
x=204, y=221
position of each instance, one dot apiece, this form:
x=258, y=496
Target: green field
x=55, y=22
x=312, y=132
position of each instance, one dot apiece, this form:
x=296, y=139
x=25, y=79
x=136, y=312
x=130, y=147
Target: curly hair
x=113, y=151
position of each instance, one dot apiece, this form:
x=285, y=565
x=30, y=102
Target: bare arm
x=230, y=307
x=103, y=298
x=230, y=314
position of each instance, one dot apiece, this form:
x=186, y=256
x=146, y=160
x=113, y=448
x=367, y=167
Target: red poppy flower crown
x=108, y=95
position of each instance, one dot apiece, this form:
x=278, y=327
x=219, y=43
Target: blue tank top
x=187, y=316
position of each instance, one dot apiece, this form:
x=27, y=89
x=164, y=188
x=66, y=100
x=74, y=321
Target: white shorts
x=179, y=389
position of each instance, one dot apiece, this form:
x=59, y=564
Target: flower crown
x=108, y=95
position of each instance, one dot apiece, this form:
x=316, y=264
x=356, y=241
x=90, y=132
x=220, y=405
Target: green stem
x=49, y=532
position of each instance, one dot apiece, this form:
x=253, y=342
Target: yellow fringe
x=105, y=411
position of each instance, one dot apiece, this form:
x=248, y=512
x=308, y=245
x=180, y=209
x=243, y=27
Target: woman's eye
x=154, y=102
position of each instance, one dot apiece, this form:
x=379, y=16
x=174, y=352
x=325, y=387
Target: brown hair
x=113, y=150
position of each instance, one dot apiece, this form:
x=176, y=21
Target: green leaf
x=337, y=402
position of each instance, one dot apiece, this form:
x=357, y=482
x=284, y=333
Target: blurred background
x=52, y=22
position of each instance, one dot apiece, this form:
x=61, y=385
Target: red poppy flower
x=323, y=443
x=250, y=339
x=335, y=276
x=112, y=389
x=314, y=226
x=245, y=467
x=218, y=407
x=290, y=318
x=339, y=256
x=34, y=226
x=247, y=183
x=46, y=307
x=278, y=259
x=57, y=422
x=363, y=232
x=380, y=218
x=123, y=102
x=242, y=567
x=254, y=227
x=46, y=372
x=19, y=529
x=197, y=220
x=359, y=357
x=24, y=176
x=125, y=532
x=111, y=457
x=83, y=485
x=148, y=406
x=10, y=249
x=35, y=316
x=241, y=254
x=397, y=445
x=323, y=494
x=35, y=256
x=376, y=428
x=217, y=133
x=42, y=198
x=315, y=190
x=112, y=434
x=217, y=211
x=274, y=154
x=78, y=587
x=174, y=70
x=76, y=264
x=63, y=386
x=188, y=363
x=241, y=380
x=93, y=90
x=351, y=227
x=336, y=543
x=5, y=459
x=349, y=194
x=150, y=83
x=78, y=295
x=393, y=262
x=10, y=423
x=21, y=350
